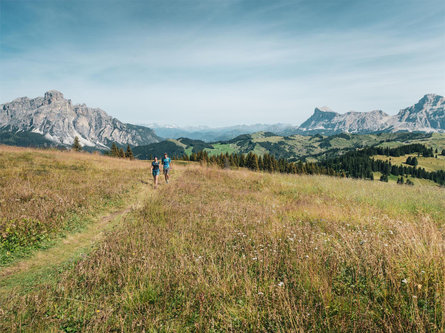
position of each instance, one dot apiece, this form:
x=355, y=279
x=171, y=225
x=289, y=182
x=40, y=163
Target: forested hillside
x=291, y=148
x=354, y=164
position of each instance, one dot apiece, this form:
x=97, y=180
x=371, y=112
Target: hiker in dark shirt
x=155, y=171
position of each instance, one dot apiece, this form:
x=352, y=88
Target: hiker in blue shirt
x=166, y=162
x=155, y=171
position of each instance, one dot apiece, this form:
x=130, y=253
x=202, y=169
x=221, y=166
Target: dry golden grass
x=44, y=192
x=220, y=250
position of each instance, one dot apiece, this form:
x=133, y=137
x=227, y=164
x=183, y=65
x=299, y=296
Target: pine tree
x=121, y=153
x=114, y=150
x=76, y=144
x=129, y=153
x=255, y=165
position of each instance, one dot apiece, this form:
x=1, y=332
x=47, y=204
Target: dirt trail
x=29, y=271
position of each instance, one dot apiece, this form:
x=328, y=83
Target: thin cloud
x=210, y=72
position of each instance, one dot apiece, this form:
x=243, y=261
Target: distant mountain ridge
x=209, y=134
x=427, y=115
x=53, y=120
x=58, y=122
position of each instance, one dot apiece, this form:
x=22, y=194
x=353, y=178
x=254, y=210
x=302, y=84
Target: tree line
x=113, y=152
x=119, y=152
x=254, y=162
x=361, y=164
x=354, y=164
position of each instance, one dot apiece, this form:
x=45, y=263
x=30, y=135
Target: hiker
x=155, y=171
x=166, y=161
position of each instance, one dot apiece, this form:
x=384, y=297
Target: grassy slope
x=44, y=194
x=220, y=250
x=43, y=265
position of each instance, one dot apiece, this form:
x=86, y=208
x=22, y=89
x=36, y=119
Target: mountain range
x=54, y=120
x=427, y=115
x=213, y=134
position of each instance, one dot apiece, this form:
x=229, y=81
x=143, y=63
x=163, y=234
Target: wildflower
x=306, y=256
x=260, y=293
x=414, y=296
x=280, y=284
x=391, y=232
x=97, y=311
x=419, y=286
x=405, y=281
x=254, y=258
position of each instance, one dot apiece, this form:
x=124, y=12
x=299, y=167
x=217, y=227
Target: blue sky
x=219, y=62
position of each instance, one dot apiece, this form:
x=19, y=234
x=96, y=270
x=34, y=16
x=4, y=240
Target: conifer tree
x=252, y=161
x=121, y=153
x=114, y=150
x=129, y=153
x=76, y=144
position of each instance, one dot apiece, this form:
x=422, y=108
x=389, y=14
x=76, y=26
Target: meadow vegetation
x=430, y=164
x=46, y=193
x=235, y=250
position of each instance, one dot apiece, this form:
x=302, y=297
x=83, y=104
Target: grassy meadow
x=430, y=164
x=45, y=194
x=233, y=250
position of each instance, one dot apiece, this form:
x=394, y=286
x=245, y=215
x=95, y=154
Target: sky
x=224, y=62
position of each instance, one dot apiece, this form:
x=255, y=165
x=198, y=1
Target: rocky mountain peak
x=53, y=95
x=428, y=101
x=427, y=115
x=322, y=109
x=57, y=120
